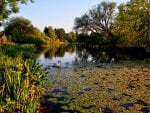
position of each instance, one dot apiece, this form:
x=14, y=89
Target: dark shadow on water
x=47, y=106
x=51, y=107
x=146, y=108
x=80, y=93
x=109, y=90
x=57, y=91
x=107, y=110
x=127, y=105
x=116, y=98
x=87, y=89
x=88, y=107
x=62, y=100
x=120, y=96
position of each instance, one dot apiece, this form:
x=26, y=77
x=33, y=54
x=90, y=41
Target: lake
x=92, y=80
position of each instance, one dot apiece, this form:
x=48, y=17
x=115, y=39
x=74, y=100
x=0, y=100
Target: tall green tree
x=50, y=32
x=8, y=7
x=132, y=22
x=60, y=32
x=97, y=20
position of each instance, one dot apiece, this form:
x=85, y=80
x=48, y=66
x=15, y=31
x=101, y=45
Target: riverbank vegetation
x=20, y=84
x=21, y=79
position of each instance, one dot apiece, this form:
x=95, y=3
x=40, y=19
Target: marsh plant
x=20, y=85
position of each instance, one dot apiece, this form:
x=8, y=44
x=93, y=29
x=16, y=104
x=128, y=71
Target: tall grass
x=20, y=84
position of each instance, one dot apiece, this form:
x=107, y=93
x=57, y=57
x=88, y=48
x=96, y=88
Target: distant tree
x=10, y=6
x=60, y=32
x=50, y=32
x=97, y=20
x=73, y=35
x=70, y=36
x=21, y=30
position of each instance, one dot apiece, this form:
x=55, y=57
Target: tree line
x=21, y=30
x=105, y=24
x=59, y=33
x=124, y=25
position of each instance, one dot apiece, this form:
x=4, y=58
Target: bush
x=26, y=51
x=21, y=30
x=23, y=39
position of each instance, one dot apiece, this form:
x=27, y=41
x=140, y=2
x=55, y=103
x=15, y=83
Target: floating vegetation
x=102, y=90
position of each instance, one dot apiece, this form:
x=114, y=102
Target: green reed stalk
x=20, y=84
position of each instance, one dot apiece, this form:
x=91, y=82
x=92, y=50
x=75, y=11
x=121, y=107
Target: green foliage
x=20, y=84
x=60, y=32
x=70, y=36
x=97, y=25
x=132, y=23
x=97, y=20
x=96, y=40
x=130, y=27
x=21, y=30
x=81, y=38
x=50, y=32
x=8, y=7
x=26, y=51
x=21, y=39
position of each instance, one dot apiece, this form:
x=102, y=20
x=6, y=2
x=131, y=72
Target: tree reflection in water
x=73, y=55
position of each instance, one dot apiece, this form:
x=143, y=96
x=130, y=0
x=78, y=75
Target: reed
x=20, y=84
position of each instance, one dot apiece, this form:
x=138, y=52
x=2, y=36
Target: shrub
x=25, y=39
x=26, y=51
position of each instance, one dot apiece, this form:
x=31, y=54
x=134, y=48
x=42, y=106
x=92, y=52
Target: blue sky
x=57, y=13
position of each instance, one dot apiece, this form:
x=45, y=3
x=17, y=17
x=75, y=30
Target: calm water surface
x=72, y=55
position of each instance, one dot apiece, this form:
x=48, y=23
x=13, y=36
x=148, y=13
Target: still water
x=72, y=55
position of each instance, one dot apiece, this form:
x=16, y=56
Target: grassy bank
x=20, y=80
